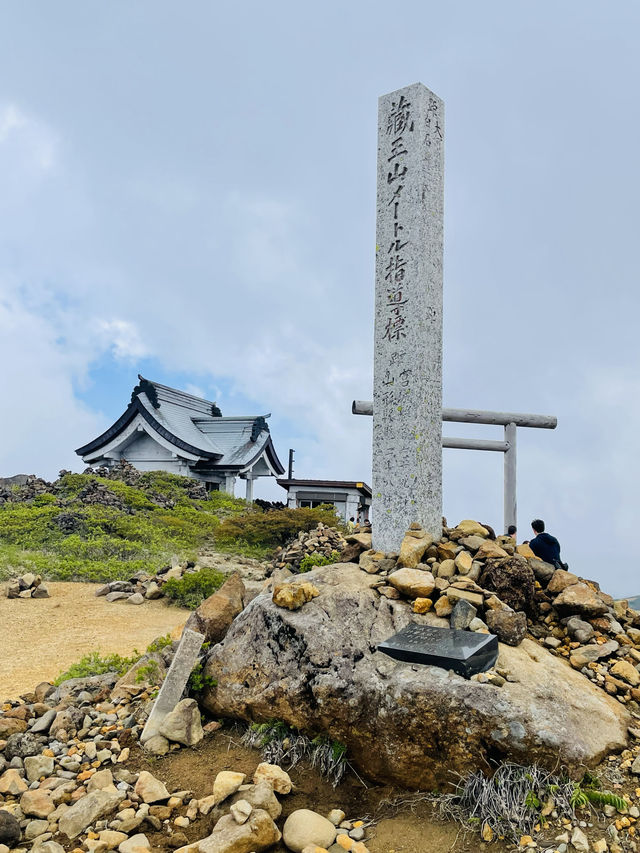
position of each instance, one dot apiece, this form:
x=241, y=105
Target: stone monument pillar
x=407, y=396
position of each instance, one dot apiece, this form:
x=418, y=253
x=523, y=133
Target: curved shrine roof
x=187, y=423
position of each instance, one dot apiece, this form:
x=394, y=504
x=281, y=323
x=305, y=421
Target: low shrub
x=310, y=561
x=95, y=664
x=265, y=531
x=193, y=587
x=63, y=535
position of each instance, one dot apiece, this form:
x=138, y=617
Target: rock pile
x=28, y=585
x=66, y=779
x=23, y=488
x=473, y=580
x=322, y=672
x=26, y=488
x=143, y=586
x=324, y=540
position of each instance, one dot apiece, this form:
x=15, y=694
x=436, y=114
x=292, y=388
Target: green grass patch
x=96, y=664
x=63, y=535
x=67, y=534
x=193, y=587
x=311, y=561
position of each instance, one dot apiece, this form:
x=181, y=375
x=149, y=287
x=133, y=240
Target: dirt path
x=42, y=636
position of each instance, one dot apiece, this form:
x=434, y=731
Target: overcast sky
x=187, y=190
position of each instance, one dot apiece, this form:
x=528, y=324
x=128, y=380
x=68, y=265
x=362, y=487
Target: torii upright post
x=407, y=391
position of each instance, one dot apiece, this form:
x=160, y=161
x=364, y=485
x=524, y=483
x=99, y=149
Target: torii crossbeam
x=509, y=420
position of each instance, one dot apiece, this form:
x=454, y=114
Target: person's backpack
x=558, y=564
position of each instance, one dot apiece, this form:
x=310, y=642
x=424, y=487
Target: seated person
x=544, y=546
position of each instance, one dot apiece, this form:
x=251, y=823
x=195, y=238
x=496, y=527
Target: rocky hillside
x=110, y=524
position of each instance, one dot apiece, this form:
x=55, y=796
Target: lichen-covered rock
x=130, y=684
x=509, y=626
x=513, y=581
x=318, y=670
x=293, y=595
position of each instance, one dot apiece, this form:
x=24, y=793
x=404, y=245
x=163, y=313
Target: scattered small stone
x=276, y=776
x=304, y=827
x=150, y=789
x=226, y=783
x=241, y=811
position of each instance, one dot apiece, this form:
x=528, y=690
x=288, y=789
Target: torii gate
x=509, y=420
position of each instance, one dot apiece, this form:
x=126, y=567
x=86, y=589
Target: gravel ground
x=40, y=637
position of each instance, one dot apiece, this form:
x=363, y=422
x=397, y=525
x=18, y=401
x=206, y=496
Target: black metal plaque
x=465, y=652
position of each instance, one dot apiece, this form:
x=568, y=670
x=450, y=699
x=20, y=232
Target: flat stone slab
x=464, y=652
x=174, y=683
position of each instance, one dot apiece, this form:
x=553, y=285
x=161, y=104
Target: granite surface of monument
x=407, y=395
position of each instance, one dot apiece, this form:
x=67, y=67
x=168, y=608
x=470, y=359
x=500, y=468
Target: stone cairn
x=324, y=540
x=472, y=579
x=145, y=587
x=68, y=776
x=28, y=585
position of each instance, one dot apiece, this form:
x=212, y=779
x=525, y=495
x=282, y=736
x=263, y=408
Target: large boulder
x=513, y=581
x=317, y=669
x=213, y=617
x=580, y=598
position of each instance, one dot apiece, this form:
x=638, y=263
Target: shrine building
x=164, y=429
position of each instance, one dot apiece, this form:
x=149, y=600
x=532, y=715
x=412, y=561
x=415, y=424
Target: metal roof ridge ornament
x=146, y=387
x=259, y=425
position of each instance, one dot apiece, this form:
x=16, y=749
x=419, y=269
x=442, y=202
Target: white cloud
x=196, y=390
x=28, y=148
x=42, y=420
x=122, y=338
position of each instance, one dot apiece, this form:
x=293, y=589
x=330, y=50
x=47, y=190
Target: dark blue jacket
x=546, y=547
